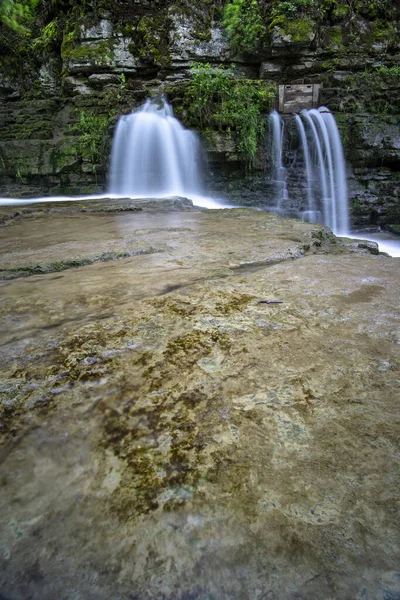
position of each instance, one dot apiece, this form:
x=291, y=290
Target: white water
x=320, y=161
x=386, y=242
x=200, y=201
x=327, y=202
x=339, y=171
x=276, y=127
x=311, y=209
x=330, y=216
x=326, y=140
x=153, y=155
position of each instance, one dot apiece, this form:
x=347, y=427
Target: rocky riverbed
x=195, y=405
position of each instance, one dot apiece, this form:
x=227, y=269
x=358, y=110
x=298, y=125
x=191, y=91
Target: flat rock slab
x=10, y=209
x=207, y=408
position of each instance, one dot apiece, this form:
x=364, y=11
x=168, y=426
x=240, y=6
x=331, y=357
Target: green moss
x=335, y=35
x=55, y=267
x=299, y=30
x=99, y=53
x=150, y=476
x=243, y=23
x=188, y=348
x=51, y=36
x=234, y=303
x=393, y=229
x=374, y=90
x=161, y=440
x=343, y=124
x=151, y=39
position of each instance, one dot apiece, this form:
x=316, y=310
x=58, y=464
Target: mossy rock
x=393, y=229
x=293, y=31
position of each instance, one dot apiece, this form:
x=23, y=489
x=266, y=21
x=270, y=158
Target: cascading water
x=341, y=197
x=329, y=150
x=311, y=214
x=321, y=165
x=324, y=165
x=279, y=176
x=154, y=155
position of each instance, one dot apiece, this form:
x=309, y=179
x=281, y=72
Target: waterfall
x=329, y=150
x=341, y=197
x=310, y=214
x=327, y=199
x=154, y=155
x=279, y=176
x=321, y=163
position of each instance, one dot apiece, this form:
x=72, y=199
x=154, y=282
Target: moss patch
x=28, y=270
x=298, y=30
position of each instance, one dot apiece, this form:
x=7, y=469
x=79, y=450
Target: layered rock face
x=56, y=130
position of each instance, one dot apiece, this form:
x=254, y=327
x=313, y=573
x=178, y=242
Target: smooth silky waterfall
x=311, y=213
x=276, y=127
x=154, y=155
x=331, y=166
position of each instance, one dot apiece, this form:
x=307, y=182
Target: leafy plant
x=122, y=86
x=93, y=141
x=383, y=73
x=16, y=15
x=20, y=174
x=218, y=98
x=294, y=7
x=244, y=25
x=347, y=9
x=390, y=72
x=51, y=36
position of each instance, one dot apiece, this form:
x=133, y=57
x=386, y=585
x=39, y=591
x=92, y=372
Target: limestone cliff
x=62, y=91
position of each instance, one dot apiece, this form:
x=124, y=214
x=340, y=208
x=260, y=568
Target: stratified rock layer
x=214, y=416
x=60, y=98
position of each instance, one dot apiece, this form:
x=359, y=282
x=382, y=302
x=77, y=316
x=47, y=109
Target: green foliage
x=332, y=11
x=122, y=86
x=294, y=19
x=375, y=90
x=244, y=25
x=122, y=81
x=17, y=15
x=50, y=38
x=300, y=30
x=19, y=175
x=151, y=39
x=338, y=10
x=384, y=72
x=218, y=99
x=92, y=144
x=294, y=8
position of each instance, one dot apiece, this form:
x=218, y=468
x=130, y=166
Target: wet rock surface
x=169, y=430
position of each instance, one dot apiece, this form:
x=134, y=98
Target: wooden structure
x=293, y=98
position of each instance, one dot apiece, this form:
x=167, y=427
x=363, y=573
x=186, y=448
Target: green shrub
x=382, y=74
x=92, y=144
x=50, y=38
x=17, y=15
x=294, y=7
x=244, y=25
x=218, y=99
